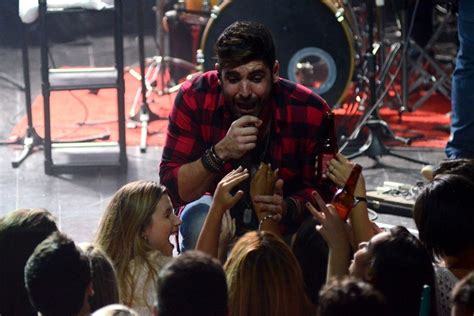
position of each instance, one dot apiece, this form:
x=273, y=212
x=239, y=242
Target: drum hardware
x=377, y=128
x=158, y=68
x=323, y=61
x=422, y=69
x=427, y=69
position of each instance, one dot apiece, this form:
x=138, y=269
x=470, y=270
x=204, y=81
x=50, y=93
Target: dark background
x=71, y=26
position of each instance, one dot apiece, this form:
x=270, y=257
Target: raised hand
x=240, y=138
x=223, y=199
x=331, y=227
x=339, y=169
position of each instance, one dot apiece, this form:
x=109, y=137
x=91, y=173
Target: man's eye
x=233, y=80
x=257, y=79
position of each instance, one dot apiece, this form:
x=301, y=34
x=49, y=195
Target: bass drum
x=313, y=41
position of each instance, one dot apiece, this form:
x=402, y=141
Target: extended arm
x=340, y=169
x=333, y=231
x=223, y=200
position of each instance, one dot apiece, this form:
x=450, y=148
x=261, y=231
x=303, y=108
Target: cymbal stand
x=158, y=68
x=377, y=128
x=144, y=115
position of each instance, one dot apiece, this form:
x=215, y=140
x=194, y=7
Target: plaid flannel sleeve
x=182, y=143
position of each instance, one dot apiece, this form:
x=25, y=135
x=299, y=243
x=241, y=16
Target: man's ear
x=276, y=71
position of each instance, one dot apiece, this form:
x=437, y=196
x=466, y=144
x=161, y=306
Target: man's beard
x=253, y=106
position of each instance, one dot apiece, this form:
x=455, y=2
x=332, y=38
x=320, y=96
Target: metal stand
x=88, y=78
x=158, y=67
x=144, y=115
x=419, y=66
x=374, y=146
x=31, y=140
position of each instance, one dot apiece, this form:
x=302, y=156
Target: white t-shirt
x=144, y=305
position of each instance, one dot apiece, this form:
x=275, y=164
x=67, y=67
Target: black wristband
x=216, y=158
x=210, y=162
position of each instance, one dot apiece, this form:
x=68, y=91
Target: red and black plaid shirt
x=200, y=119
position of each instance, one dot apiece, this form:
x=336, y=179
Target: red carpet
x=70, y=110
x=425, y=121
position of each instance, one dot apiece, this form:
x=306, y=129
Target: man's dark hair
x=56, y=276
x=350, y=296
x=463, y=293
x=243, y=42
x=444, y=214
x=193, y=284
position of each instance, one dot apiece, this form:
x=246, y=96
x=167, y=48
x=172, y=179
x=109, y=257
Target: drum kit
x=322, y=44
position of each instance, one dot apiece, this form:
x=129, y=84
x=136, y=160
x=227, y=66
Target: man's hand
x=266, y=192
x=265, y=204
x=240, y=138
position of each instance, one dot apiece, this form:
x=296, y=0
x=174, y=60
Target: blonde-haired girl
x=135, y=233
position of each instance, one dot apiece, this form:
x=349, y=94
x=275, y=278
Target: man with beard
x=240, y=114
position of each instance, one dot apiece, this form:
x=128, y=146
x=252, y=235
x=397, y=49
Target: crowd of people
x=259, y=235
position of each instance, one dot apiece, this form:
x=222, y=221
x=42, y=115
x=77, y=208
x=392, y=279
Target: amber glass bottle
x=328, y=149
x=344, y=199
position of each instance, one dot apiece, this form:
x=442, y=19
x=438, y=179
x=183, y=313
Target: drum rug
x=82, y=114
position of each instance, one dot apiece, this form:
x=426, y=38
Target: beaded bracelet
x=268, y=216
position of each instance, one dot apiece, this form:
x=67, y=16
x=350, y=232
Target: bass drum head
x=312, y=46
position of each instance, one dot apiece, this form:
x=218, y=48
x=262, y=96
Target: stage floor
x=78, y=200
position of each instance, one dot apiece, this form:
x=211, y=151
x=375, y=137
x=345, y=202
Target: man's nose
x=244, y=90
